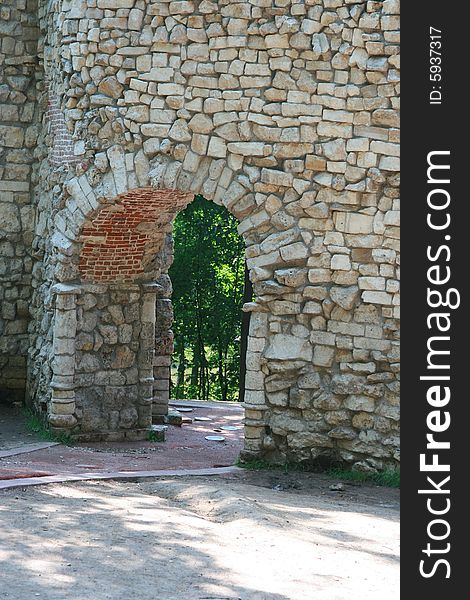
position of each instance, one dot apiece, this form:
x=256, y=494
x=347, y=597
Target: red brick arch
x=117, y=238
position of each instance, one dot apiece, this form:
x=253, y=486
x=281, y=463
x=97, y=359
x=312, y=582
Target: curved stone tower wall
x=285, y=112
x=18, y=134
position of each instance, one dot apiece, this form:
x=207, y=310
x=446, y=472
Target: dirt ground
x=246, y=536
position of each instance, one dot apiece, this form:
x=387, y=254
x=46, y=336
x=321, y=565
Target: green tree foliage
x=207, y=276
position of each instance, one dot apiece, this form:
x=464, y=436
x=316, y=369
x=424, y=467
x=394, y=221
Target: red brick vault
x=121, y=240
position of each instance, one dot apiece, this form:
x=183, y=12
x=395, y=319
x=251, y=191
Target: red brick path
x=184, y=448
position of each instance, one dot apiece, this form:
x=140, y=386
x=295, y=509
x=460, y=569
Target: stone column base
x=131, y=435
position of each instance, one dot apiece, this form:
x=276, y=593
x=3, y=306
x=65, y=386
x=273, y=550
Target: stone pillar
x=163, y=350
x=61, y=409
x=161, y=387
x=255, y=399
x=147, y=353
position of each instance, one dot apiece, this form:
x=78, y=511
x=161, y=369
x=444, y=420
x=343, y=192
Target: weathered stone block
x=287, y=347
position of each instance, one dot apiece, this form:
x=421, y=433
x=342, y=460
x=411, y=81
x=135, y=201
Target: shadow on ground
x=13, y=430
x=221, y=538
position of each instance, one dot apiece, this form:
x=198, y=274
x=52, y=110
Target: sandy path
x=199, y=538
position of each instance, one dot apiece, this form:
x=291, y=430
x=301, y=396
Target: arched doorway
x=111, y=359
x=124, y=333
x=207, y=277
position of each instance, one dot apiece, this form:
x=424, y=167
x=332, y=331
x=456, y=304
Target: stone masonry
x=113, y=115
x=18, y=136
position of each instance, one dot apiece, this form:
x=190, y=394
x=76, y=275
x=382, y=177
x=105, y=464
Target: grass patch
x=256, y=465
x=387, y=478
x=35, y=425
x=262, y=465
x=155, y=436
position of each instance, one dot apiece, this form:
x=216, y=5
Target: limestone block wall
x=18, y=71
x=113, y=335
x=286, y=113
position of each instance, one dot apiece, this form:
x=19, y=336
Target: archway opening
x=113, y=336
x=209, y=288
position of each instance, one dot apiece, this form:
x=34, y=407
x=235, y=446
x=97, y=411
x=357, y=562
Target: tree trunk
x=195, y=370
x=220, y=368
x=225, y=386
x=245, y=328
x=181, y=370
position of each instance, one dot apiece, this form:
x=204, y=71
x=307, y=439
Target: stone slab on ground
x=32, y=479
x=27, y=448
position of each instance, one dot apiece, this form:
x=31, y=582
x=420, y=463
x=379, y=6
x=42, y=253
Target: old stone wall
x=53, y=156
x=18, y=72
x=285, y=112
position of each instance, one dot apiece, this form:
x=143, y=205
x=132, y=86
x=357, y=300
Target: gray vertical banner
x=435, y=267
